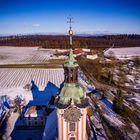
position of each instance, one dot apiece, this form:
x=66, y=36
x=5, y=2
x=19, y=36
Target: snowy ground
x=12, y=81
x=24, y=55
x=20, y=77
x=124, y=52
x=135, y=100
x=10, y=126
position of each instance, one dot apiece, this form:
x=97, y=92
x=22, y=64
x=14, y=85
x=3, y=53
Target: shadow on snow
x=40, y=98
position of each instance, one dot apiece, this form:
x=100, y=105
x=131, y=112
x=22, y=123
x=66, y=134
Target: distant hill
x=62, y=41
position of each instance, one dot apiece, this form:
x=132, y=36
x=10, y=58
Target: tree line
x=48, y=41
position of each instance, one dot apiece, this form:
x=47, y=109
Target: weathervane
x=70, y=21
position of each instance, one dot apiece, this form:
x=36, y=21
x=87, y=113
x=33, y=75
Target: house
x=92, y=55
x=78, y=51
x=35, y=116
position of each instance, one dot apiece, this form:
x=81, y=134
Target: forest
x=62, y=41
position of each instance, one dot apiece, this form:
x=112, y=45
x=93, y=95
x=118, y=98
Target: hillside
x=48, y=41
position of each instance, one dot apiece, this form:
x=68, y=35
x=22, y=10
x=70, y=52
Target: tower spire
x=71, y=102
x=70, y=21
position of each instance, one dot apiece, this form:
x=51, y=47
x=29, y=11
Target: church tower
x=71, y=102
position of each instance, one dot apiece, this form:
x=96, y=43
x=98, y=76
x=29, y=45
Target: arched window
x=72, y=126
x=72, y=138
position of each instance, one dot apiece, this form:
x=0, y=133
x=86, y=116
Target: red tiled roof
x=77, y=51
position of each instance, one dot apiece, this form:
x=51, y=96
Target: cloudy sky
x=50, y=16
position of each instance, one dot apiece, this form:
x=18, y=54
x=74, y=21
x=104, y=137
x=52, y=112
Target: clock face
x=72, y=114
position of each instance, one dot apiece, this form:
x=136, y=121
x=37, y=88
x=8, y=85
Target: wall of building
x=92, y=56
x=64, y=132
x=35, y=121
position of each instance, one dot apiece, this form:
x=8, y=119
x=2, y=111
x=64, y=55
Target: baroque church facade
x=71, y=102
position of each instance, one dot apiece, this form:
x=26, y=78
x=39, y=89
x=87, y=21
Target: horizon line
x=98, y=33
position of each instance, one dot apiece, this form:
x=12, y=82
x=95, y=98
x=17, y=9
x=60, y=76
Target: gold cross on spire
x=70, y=21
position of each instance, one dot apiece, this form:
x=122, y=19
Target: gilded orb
x=70, y=32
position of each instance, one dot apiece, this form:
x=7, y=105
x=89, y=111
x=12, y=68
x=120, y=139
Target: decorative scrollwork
x=72, y=114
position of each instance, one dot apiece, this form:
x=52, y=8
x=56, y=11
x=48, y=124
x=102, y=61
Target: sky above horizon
x=50, y=16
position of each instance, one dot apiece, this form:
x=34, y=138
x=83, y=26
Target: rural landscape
x=111, y=80
x=69, y=70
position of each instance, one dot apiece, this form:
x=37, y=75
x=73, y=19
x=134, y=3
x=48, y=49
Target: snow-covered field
x=20, y=77
x=12, y=81
x=24, y=55
x=124, y=52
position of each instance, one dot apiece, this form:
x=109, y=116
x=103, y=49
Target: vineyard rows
x=25, y=55
x=21, y=77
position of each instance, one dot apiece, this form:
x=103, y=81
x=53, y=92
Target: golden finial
x=70, y=21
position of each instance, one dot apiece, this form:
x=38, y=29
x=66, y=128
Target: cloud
x=36, y=25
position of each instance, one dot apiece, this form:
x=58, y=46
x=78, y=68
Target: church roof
x=71, y=62
x=34, y=111
x=50, y=131
x=71, y=92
